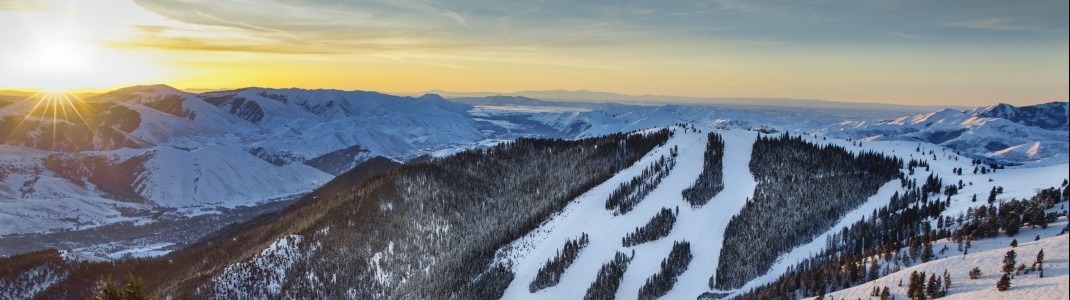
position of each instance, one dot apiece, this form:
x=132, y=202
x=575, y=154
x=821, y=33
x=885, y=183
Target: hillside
x=1053, y=285
x=402, y=197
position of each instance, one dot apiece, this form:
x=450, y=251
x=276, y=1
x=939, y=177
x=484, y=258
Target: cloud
x=1000, y=24
x=358, y=26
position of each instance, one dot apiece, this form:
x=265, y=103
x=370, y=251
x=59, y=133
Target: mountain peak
x=1050, y=116
x=140, y=93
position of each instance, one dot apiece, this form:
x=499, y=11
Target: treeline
x=671, y=267
x=905, y=222
x=802, y=190
x=630, y=193
x=711, y=180
x=550, y=273
x=609, y=277
x=658, y=227
x=1008, y=217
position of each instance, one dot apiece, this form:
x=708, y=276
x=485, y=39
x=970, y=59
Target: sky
x=961, y=52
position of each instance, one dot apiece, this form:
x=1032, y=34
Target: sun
x=59, y=55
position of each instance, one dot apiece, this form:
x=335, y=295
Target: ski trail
x=705, y=227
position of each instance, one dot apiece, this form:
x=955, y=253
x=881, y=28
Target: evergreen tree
x=1008, y=262
x=1040, y=262
x=932, y=287
x=874, y=270
x=1004, y=283
x=550, y=273
x=947, y=283
x=608, y=279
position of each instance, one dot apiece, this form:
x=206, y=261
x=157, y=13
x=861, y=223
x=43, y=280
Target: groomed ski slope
x=703, y=227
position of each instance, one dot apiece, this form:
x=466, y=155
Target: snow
x=267, y=269
x=979, y=132
x=800, y=253
x=223, y=175
x=29, y=283
x=1054, y=284
x=1017, y=182
x=35, y=200
x=703, y=227
x=151, y=250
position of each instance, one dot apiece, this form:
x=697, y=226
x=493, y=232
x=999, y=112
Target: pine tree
x=927, y=253
x=1008, y=262
x=916, y=289
x=932, y=287
x=886, y=294
x=1004, y=283
x=874, y=270
x=975, y=273
x=947, y=283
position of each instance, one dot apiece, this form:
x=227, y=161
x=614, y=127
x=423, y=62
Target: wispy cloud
x=1001, y=24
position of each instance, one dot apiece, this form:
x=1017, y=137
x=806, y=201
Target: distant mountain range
x=608, y=97
x=1002, y=132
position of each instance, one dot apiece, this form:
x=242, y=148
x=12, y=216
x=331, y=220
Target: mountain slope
x=482, y=197
x=1054, y=284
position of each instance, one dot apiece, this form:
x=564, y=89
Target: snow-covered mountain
x=155, y=146
x=153, y=150
x=337, y=245
x=1002, y=133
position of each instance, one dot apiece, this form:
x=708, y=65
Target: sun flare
x=59, y=55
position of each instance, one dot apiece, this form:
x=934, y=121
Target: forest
x=906, y=223
x=550, y=273
x=630, y=193
x=802, y=190
x=658, y=227
x=711, y=180
x=671, y=267
x=608, y=279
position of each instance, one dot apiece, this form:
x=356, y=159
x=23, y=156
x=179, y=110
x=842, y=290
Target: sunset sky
x=968, y=52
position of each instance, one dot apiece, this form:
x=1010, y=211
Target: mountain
x=157, y=148
x=169, y=149
x=1001, y=133
x=585, y=96
x=487, y=223
x=1049, y=116
x=491, y=190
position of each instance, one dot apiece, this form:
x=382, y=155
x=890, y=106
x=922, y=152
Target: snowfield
x=703, y=227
